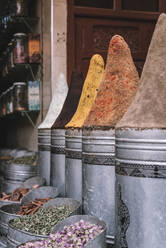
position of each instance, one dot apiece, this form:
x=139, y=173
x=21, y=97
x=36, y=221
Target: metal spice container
x=34, y=48
x=141, y=155
x=20, y=52
x=19, y=96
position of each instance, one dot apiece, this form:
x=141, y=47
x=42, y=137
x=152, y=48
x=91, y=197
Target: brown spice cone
x=71, y=102
x=148, y=109
x=117, y=89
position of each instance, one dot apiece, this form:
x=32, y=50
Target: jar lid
x=19, y=34
x=19, y=83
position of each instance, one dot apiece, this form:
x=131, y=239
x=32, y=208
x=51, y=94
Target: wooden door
x=92, y=23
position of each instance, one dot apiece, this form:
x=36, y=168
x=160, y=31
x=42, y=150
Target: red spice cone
x=118, y=87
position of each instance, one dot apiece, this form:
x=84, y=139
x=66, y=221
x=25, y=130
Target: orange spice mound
x=118, y=87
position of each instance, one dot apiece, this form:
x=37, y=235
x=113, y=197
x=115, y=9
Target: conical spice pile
x=148, y=108
x=72, y=99
x=118, y=87
x=89, y=92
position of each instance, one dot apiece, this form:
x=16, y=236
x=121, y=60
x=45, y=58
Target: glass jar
x=11, y=99
x=4, y=103
x=19, y=96
x=20, y=8
x=7, y=102
x=20, y=51
x=34, y=48
x=9, y=56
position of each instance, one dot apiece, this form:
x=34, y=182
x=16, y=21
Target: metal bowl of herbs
x=75, y=231
x=74, y=205
x=40, y=224
x=85, y=230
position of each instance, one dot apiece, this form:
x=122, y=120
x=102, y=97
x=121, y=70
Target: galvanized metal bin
x=3, y=242
x=58, y=159
x=44, y=144
x=41, y=192
x=8, y=213
x=15, y=175
x=29, y=183
x=15, y=237
x=140, y=188
x=44, y=129
x=98, y=158
x=19, y=172
x=75, y=205
x=4, y=203
x=58, y=131
x=98, y=241
x=73, y=175
x=32, y=241
x=9, y=186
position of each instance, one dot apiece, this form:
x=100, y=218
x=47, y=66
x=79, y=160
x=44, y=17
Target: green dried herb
x=42, y=222
x=25, y=160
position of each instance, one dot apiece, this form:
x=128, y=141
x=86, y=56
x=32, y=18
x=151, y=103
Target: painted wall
x=58, y=40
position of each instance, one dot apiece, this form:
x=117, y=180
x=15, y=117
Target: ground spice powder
x=56, y=104
x=118, y=87
x=72, y=99
x=89, y=92
x=148, y=109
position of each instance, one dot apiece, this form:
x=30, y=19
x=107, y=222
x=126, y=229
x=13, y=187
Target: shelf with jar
x=20, y=97
x=16, y=15
x=21, y=60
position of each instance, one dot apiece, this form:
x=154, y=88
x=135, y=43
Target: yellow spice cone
x=89, y=92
